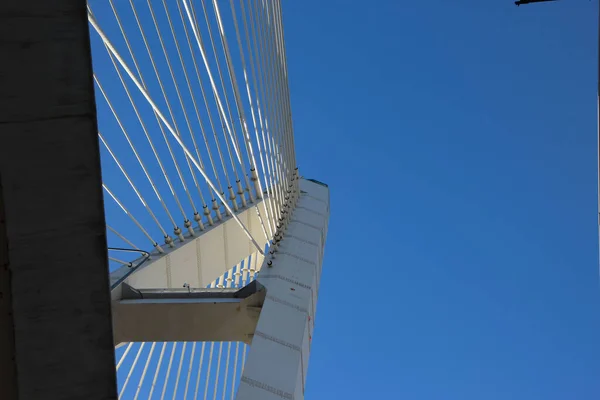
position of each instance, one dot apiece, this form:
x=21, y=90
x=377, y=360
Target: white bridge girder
x=206, y=315
x=198, y=261
x=275, y=314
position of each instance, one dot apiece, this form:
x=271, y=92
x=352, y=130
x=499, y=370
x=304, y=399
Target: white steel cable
x=193, y=97
x=143, y=125
x=210, y=77
x=233, y=82
x=176, y=129
x=234, y=376
x=266, y=171
x=117, y=17
x=208, y=112
x=268, y=115
x=283, y=119
x=216, y=381
x=285, y=71
x=230, y=140
x=135, y=221
x=131, y=53
x=276, y=110
x=199, y=370
x=225, y=381
x=254, y=81
x=233, y=133
x=282, y=83
x=233, y=200
x=137, y=356
x=123, y=238
x=141, y=382
x=232, y=195
x=270, y=185
x=133, y=148
x=176, y=164
x=186, y=220
x=242, y=123
x=162, y=396
x=124, y=131
x=124, y=355
x=278, y=88
x=239, y=186
x=135, y=189
x=175, y=136
x=240, y=109
x=160, y=115
x=160, y=358
x=210, y=358
x=187, y=381
x=179, y=370
x=244, y=353
x=176, y=85
x=279, y=21
x=258, y=90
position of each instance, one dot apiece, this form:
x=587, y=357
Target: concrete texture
x=56, y=325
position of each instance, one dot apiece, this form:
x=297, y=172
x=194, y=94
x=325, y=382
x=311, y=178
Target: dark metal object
x=518, y=3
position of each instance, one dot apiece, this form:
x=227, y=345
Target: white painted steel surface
x=278, y=358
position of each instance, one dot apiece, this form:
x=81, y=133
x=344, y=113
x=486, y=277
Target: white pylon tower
x=196, y=134
x=278, y=359
x=154, y=302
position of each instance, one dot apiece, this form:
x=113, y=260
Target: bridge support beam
x=278, y=358
x=205, y=315
x=55, y=321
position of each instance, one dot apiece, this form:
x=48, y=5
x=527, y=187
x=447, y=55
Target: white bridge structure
x=215, y=239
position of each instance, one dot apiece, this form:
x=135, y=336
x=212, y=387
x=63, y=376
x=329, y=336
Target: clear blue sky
x=458, y=139
x=459, y=142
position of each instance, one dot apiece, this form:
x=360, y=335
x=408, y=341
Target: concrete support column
x=278, y=357
x=55, y=322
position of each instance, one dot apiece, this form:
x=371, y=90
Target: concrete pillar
x=55, y=322
x=278, y=358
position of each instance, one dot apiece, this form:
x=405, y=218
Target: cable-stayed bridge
x=215, y=239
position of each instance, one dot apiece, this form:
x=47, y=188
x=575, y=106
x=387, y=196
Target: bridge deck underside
x=221, y=315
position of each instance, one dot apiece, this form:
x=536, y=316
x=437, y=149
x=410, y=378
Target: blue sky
x=459, y=142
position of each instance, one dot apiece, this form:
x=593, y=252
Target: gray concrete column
x=55, y=321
